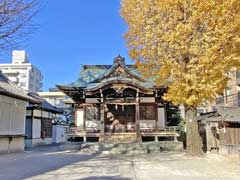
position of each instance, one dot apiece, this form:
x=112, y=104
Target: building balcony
x=238, y=81
x=230, y=100
x=13, y=79
x=10, y=72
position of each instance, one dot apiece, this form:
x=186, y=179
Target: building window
x=23, y=84
x=46, y=128
x=228, y=91
x=238, y=74
x=147, y=112
x=23, y=75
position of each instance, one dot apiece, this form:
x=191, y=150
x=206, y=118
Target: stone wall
x=12, y=124
x=37, y=142
x=229, y=149
x=15, y=145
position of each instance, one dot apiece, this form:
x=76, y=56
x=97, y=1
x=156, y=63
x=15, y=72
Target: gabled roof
x=119, y=62
x=225, y=114
x=230, y=114
x=208, y=115
x=93, y=76
x=10, y=89
x=44, y=104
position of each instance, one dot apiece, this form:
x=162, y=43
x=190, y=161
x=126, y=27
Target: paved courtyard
x=48, y=163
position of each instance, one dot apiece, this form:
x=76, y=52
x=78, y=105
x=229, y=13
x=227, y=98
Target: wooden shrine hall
x=115, y=103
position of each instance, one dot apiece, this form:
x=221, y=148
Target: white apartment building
x=23, y=73
x=56, y=98
x=61, y=101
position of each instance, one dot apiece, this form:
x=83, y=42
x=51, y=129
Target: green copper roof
x=142, y=85
x=86, y=76
x=92, y=76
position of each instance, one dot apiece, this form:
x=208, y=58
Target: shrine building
x=116, y=103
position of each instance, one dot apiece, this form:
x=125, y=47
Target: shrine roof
x=92, y=76
x=141, y=85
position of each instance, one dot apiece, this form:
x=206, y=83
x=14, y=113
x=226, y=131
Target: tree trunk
x=194, y=141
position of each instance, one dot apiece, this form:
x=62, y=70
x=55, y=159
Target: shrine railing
x=73, y=130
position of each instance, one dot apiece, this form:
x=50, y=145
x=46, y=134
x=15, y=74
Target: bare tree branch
x=16, y=18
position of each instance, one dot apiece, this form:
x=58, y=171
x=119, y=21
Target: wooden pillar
x=137, y=122
x=156, y=110
x=102, y=117
x=85, y=138
x=137, y=117
x=76, y=116
x=175, y=138
x=156, y=116
x=84, y=117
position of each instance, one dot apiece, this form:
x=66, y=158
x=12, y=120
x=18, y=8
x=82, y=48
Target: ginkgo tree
x=189, y=46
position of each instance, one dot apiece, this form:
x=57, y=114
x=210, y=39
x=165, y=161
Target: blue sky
x=72, y=33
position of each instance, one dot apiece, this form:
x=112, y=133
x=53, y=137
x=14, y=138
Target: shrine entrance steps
x=120, y=137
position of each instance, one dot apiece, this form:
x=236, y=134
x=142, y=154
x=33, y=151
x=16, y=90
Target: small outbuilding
x=39, y=122
x=13, y=103
x=222, y=129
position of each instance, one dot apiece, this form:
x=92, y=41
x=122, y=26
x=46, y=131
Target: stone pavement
x=49, y=163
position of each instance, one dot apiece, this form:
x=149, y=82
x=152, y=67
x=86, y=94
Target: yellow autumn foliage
x=188, y=45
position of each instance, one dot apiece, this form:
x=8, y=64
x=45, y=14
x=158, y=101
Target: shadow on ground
x=20, y=166
x=48, y=161
x=104, y=178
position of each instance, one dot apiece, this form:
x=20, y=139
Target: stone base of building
x=154, y=136
x=11, y=144
x=229, y=149
x=29, y=143
x=124, y=148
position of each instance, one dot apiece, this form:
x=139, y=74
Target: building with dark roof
x=39, y=122
x=13, y=103
x=222, y=129
x=61, y=101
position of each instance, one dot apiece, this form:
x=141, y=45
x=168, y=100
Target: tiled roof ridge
x=15, y=91
x=227, y=114
x=44, y=103
x=118, y=62
x=89, y=66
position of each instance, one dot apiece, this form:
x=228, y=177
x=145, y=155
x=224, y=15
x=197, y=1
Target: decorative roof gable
x=119, y=70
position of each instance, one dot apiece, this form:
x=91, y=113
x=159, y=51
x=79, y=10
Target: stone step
x=126, y=138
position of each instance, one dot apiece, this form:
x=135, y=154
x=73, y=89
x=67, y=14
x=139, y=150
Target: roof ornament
x=119, y=59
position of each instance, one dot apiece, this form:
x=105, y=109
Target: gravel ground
x=47, y=163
